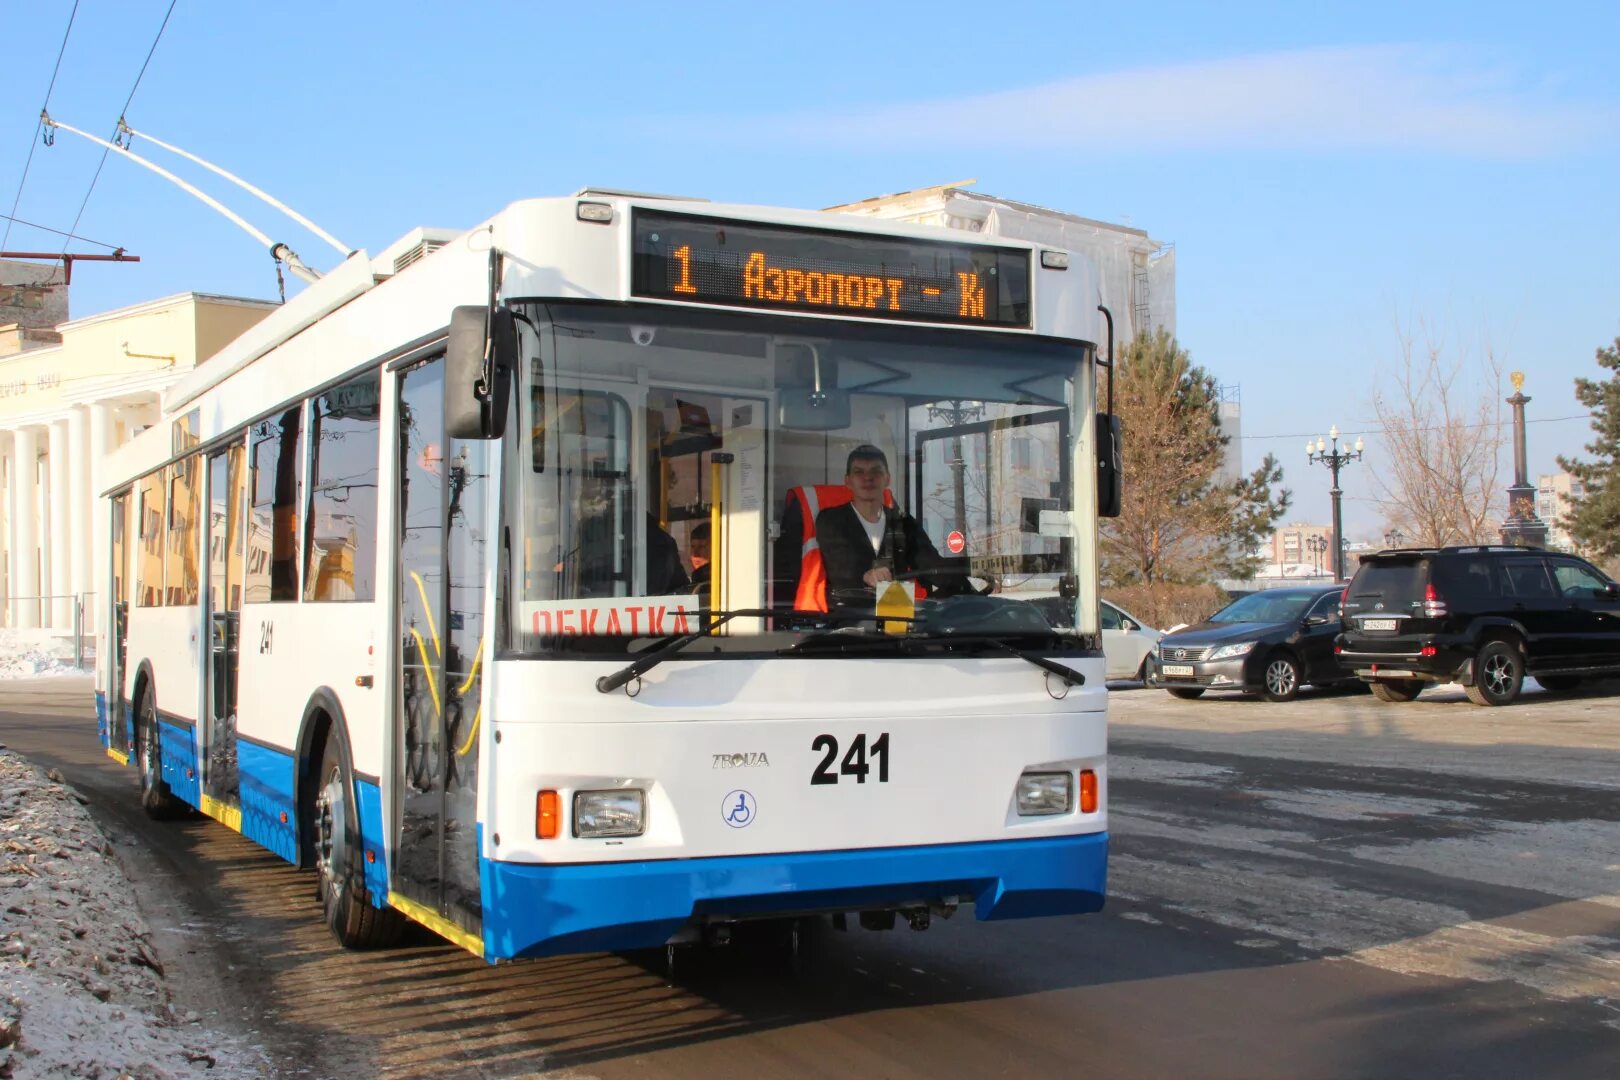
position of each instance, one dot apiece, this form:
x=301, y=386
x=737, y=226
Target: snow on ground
x=29, y=653
x=81, y=992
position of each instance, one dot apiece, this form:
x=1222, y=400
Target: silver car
x=1127, y=643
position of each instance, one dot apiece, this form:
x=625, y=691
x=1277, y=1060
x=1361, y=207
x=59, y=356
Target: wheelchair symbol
x=739, y=809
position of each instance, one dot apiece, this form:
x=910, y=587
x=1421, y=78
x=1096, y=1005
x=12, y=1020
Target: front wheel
x=348, y=911
x=1281, y=682
x=1186, y=693
x=1397, y=689
x=1498, y=675
x=157, y=800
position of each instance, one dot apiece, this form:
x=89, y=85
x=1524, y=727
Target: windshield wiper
x=672, y=645
x=1069, y=676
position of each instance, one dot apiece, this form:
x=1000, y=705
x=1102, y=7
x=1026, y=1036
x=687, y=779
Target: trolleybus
x=484, y=579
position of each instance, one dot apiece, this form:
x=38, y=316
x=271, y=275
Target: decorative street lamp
x=1317, y=546
x=1394, y=538
x=1334, y=459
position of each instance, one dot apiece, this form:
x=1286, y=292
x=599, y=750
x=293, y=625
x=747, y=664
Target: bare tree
x=1441, y=419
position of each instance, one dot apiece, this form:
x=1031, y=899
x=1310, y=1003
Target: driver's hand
x=877, y=574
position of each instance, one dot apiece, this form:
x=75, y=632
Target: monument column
x=1522, y=527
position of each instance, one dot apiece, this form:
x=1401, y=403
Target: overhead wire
x=59, y=232
x=43, y=109
x=121, y=113
x=1433, y=427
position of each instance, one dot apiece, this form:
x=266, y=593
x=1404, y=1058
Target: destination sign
x=704, y=260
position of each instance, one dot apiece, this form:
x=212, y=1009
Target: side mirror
x=1109, y=470
x=479, y=360
x=1318, y=620
x=1611, y=590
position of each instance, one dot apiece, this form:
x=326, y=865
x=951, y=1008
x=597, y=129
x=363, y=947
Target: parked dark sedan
x=1270, y=642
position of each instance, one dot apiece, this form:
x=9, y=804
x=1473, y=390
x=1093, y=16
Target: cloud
x=1401, y=98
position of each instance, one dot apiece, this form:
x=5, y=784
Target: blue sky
x=1327, y=175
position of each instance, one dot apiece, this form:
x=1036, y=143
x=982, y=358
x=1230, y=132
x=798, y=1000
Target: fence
x=40, y=610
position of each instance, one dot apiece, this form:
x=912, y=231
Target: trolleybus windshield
x=669, y=462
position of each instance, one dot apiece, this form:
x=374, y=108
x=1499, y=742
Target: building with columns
x=64, y=404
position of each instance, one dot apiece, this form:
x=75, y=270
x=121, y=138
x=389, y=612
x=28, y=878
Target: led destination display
x=744, y=264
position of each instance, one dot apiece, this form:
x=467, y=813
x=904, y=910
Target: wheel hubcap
x=1498, y=674
x=328, y=829
x=1280, y=677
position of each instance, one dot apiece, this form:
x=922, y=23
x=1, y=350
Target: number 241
x=854, y=763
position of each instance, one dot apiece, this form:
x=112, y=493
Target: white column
x=7, y=613
x=79, y=515
x=57, y=539
x=100, y=445
x=24, y=494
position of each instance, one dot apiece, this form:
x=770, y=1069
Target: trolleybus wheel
x=157, y=800
x=348, y=910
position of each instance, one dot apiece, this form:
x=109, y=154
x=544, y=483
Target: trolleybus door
x=443, y=493
x=223, y=597
x=118, y=627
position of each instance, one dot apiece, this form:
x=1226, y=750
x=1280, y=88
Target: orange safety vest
x=813, y=499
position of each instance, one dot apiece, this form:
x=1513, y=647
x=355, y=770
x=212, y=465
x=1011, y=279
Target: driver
x=864, y=542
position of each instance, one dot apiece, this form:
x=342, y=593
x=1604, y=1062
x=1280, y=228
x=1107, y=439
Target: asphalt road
x=1330, y=888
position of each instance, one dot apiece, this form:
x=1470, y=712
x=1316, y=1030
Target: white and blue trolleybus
x=518, y=580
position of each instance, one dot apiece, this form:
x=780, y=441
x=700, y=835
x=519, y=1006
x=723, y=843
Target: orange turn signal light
x=1088, y=791
x=547, y=815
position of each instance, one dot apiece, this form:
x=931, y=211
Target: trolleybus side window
x=340, y=540
x=180, y=557
x=149, y=559
x=277, y=486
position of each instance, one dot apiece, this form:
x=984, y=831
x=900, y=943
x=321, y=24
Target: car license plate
x=1378, y=624
x=1177, y=669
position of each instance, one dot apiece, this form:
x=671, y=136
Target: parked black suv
x=1484, y=617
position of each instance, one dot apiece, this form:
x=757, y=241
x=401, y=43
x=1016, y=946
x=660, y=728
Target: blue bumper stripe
x=540, y=910
x=267, y=795
x=180, y=761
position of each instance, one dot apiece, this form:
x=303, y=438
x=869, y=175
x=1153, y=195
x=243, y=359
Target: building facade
x=83, y=388
x=1555, y=497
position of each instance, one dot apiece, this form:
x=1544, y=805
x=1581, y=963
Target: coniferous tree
x=1595, y=520
x=1179, y=522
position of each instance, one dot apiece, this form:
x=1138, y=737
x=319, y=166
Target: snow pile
x=28, y=653
x=82, y=993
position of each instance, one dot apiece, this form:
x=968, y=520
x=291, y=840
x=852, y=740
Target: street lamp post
x=1335, y=459
x=1317, y=546
x=1394, y=538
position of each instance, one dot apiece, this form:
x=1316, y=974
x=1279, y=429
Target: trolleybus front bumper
x=545, y=909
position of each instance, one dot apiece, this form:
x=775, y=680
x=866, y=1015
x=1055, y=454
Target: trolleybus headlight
x=1045, y=793
x=609, y=813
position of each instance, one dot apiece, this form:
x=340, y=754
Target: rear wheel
x=1186, y=693
x=1281, y=681
x=156, y=798
x=1397, y=689
x=1558, y=684
x=1498, y=674
x=340, y=880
